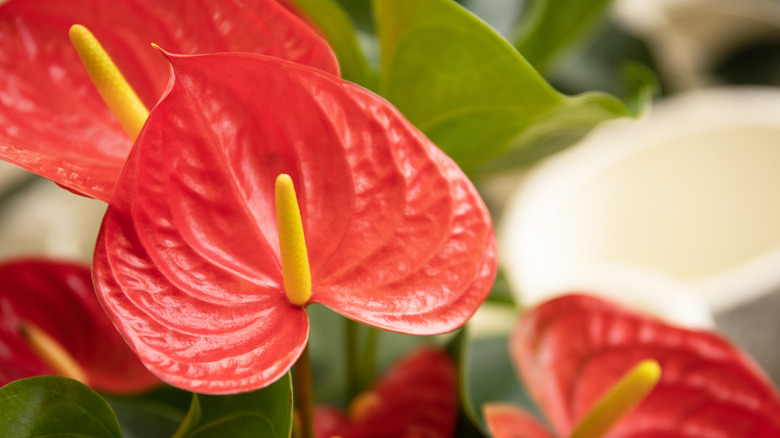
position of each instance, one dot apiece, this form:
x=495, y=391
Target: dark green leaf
x=338, y=29
x=144, y=417
x=54, y=406
x=487, y=375
x=616, y=63
x=642, y=84
x=360, y=12
x=547, y=26
x=470, y=91
x=263, y=413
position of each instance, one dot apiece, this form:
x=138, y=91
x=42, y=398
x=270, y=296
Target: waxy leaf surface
x=263, y=413
x=417, y=397
x=60, y=300
x=571, y=350
x=336, y=26
x=52, y=120
x=50, y=406
x=471, y=92
x=547, y=26
x=487, y=375
x=187, y=262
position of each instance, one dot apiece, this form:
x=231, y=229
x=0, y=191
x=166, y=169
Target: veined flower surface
x=572, y=349
x=187, y=263
x=52, y=120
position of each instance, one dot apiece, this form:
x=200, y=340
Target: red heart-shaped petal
x=571, y=350
x=52, y=120
x=397, y=236
x=59, y=299
x=507, y=421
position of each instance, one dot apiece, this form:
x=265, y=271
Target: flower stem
x=369, y=357
x=350, y=349
x=303, y=393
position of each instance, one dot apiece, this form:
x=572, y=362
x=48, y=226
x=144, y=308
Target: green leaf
x=642, y=85
x=360, y=13
x=487, y=375
x=547, y=26
x=340, y=33
x=263, y=413
x=54, y=407
x=471, y=92
x=144, y=417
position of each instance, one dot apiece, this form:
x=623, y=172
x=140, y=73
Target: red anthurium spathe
x=188, y=259
x=418, y=398
x=59, y=300
x=571, y=350
x=52, y=120
x=507, y=421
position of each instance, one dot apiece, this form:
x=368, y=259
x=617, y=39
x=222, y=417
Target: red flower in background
x=418, y=397
x=58, y=299
x=188, y=259
x=52, y=120
x=571, y=350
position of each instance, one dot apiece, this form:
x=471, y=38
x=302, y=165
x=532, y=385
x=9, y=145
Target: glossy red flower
x=59, y=300
x=52, y=120
x=418, y=397
x=571, y=350
x=188, y=259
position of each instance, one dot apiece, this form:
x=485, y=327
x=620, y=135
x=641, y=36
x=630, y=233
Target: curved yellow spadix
x=292, y=245
x=620, y=400
x=112, y=86
x=51, y=352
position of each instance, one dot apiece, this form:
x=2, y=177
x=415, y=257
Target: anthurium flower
x=51, y=323
x=190, y=262
x=570, y=351
x=54, y=122
x=416, y=398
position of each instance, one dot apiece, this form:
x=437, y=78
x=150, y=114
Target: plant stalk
x=304, y=401
x=351, y=351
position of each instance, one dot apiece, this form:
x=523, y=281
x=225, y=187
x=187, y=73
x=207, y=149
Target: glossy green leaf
x=338, y=29
x=54, y=406
x=602, y=65
x=487, y=375
x=471, y=92
x=145, y=417
x=263, y=413
x=547, y=26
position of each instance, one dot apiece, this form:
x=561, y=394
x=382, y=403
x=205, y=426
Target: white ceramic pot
x=687, y=199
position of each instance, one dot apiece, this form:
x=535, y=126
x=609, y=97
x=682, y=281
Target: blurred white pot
x=46, y=220
x=689, y=36
x=683, y=200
